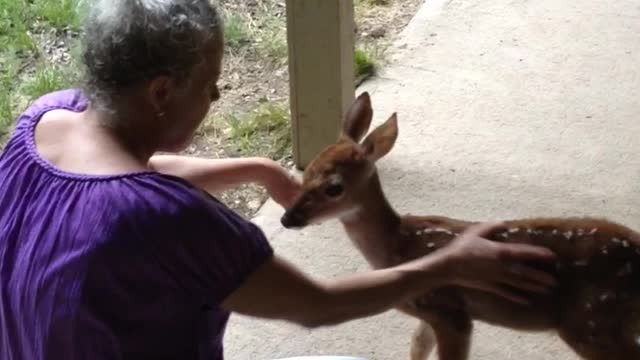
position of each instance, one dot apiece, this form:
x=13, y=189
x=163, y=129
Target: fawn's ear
x=382, y=139
x=358, y=118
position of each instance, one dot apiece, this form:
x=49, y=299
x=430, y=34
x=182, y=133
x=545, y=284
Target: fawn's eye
x=334, y=190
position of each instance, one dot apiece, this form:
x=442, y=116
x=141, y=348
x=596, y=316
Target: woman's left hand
x=281, y=185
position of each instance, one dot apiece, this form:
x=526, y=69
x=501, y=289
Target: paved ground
x=508, y=108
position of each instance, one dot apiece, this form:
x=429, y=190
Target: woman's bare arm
x=278, y=290
x=218, y=175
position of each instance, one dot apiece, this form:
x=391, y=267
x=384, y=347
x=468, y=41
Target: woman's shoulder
x=70, y=99
x=169, y=208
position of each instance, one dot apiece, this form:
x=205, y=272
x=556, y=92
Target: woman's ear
x=382, y=139
x=358, y=118
x=160, y=91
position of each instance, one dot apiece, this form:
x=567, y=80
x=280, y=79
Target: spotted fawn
x=595, y=308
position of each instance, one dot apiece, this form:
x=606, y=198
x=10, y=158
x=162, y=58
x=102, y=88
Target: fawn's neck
x=375, y=226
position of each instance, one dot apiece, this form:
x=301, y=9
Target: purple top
x=131, y=266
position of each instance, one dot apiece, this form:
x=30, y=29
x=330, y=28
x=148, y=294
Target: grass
x=19, y=52
x=236, y=31
x=272, y=41
x=270, y=33
x=265, y=131
x=363, y=63
x=261, y=32
x=6, y=113
x=14, y=37
x=59, y=14
x=8, y=72
x=46, y=79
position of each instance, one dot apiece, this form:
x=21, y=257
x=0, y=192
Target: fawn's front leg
x=422, y=342
x=452, y=327
x=453, y=334
x=445, y=311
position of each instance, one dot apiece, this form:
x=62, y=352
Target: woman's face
x=185, y=109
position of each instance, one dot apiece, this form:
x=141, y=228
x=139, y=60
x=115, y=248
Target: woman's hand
x=475, y=262
x=286, y=293
x=281, y=185
x=217, y=175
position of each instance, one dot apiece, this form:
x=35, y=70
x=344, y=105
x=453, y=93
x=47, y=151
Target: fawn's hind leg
x=422, y=342
x=604, y=326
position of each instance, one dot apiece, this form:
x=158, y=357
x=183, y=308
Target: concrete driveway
x=508, y=108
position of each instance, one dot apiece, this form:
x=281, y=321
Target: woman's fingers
x=498, y=267
x=526, y=285
x=503, y=292
x=529, y=274
x=525, y=252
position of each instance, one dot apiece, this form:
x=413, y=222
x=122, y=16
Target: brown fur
x=595, y=310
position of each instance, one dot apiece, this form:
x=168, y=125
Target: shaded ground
x=512, y=109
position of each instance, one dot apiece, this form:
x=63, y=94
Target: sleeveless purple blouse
x=132, y=266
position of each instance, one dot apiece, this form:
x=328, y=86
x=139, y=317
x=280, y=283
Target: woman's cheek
x=197, y=113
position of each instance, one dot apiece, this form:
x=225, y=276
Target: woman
x=108, y=251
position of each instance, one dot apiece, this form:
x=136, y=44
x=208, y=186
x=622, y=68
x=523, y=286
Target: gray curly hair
x=130, y=41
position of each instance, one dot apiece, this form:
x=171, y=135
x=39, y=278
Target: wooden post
x=321, y=44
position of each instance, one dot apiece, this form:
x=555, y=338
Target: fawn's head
x=334, y=181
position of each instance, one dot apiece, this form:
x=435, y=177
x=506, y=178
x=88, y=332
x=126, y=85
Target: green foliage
x=265, y=131
x=46, y=79
x=236, y=31
x=363, y=63
x=59, y=14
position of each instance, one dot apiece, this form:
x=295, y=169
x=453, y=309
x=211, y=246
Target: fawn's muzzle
x=292, y=220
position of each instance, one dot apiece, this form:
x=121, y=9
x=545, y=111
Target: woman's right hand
x=474, y=262
x=286, y=293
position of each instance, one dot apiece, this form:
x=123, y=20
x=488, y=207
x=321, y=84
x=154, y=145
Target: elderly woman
x=108, y=251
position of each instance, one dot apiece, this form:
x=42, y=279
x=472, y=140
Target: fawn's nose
x=292, y=220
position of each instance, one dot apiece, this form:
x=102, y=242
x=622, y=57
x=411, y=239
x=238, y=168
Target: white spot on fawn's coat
x=626, y=270
x=606, y=296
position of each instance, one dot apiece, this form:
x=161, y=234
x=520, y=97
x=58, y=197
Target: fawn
x=595, y=308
